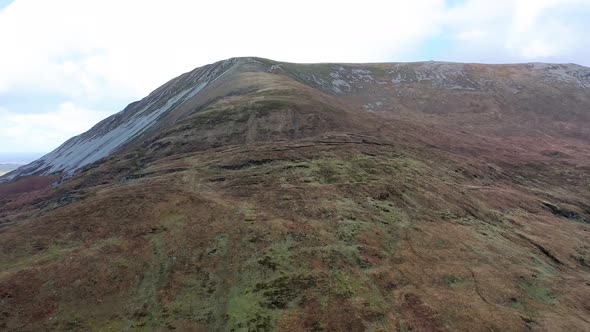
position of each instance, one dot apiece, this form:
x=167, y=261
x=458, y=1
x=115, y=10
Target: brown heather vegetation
x=270, y=203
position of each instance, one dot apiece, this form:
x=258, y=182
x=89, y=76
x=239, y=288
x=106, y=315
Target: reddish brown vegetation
x=26, y=184
x=394, y=220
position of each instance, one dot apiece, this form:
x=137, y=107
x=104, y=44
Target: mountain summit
x=256, y=195
x=373, y=88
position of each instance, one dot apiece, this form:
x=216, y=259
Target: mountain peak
x=177, y=99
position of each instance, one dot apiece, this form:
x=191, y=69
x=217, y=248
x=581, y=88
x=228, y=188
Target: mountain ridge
x=323, y=197
x=61, y=160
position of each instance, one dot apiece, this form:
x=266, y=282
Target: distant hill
x=255, y=195
x=5, y=168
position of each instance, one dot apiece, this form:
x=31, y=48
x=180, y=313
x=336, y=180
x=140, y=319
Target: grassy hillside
x=277, y=206
x=319, y=234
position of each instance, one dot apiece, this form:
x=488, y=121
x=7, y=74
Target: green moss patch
x=538, y=292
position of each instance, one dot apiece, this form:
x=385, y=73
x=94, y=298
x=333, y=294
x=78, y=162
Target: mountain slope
x=110, y=134
x=540, y=92
x=257, y=195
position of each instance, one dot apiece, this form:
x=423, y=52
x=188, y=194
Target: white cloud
x=38, y=132
x=519, y=31
x=472, y=35
x=90, y=51
x=133, y=46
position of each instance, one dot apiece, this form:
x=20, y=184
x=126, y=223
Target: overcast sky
x=66, y=64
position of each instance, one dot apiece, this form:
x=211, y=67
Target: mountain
x=537, y=90
x=258, y=195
